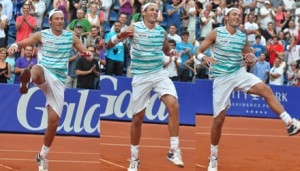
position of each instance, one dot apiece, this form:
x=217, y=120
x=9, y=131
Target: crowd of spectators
x=271, y=27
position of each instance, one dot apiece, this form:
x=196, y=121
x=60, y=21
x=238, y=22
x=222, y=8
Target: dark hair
x=25, y=5
x=117, y=22
x=173, y=25
x=93, y=26
x=172, y=41
x=91, y=47
x=122, y=14
x=257, y=37
x=185, y=33
x=98, y=40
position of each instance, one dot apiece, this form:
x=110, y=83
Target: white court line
x=199, y=165
x=242, y=128
x=32, y=151
x=114, y=164
x=1, y=165
x=147, y=146
x=57, y=161
x=252, y=135
x=145, y=138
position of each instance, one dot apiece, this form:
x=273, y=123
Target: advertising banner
x=84, y=108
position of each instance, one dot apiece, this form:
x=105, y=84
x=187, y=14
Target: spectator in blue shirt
x=258, y=47
x=115, y=55
x=174, y=11
x=26, y=61
x=262, y=68
x=187, y=51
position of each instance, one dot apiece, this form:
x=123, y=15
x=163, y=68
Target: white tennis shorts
x=142, y=85
x=54, y=91
x=223, y=87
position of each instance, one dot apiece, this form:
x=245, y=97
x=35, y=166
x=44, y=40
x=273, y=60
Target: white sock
x=174, y=142
x=44, y=151
x=134, y=152
x=287, y=119
x=214, y=151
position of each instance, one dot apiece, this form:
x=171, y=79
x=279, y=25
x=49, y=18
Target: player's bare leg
x=174, y=154
x=263, y=90
x=135, y=136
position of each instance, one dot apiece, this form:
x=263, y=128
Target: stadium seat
x=113, y=16
x=116, y=5
x=107, y=27
x=12, y=31
x=164, y=22
x=46, y=24
x=18, y=7
x=12, y=21
x=10, y=41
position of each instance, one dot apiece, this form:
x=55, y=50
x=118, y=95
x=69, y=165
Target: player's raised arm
x=31, y=40
x=128, y=32
x=166, y=46
x=248, y=56
x=84, y=52
x=207, y=42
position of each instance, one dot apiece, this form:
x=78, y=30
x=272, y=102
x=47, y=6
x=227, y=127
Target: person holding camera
x=115, y=55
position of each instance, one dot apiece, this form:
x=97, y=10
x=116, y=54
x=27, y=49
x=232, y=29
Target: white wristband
x=115, y=39
x=15, y=45
x=200, y=56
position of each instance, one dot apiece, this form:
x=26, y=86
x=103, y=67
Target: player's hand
x=88, y=55
x=248, y=58
x=12, y=49
x=208, y=60
x=125, y=34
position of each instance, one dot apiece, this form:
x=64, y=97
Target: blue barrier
x=250, y=105
x=116, y=93
x=28, y=114
x=83, y=108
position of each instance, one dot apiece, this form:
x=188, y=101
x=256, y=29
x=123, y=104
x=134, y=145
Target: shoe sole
x=178, y=165
x=294, y=133
x=24, y=81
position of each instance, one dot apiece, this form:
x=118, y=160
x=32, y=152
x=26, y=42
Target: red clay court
x=154, y=145
x=68, y=153
x=249, y=144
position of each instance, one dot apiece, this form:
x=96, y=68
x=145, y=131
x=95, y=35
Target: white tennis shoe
x=294, y=128
x=175, y=157
x=213, y=164
x=134, y=164
x=42, y=163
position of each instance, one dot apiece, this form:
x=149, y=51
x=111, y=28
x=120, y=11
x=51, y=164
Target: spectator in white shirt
x=172, y=63
x=251, y=28
x=173, y=35
x=7, y=10
x=276, y=73
x=37, y=9
x=3, y=25
x=266, y=14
